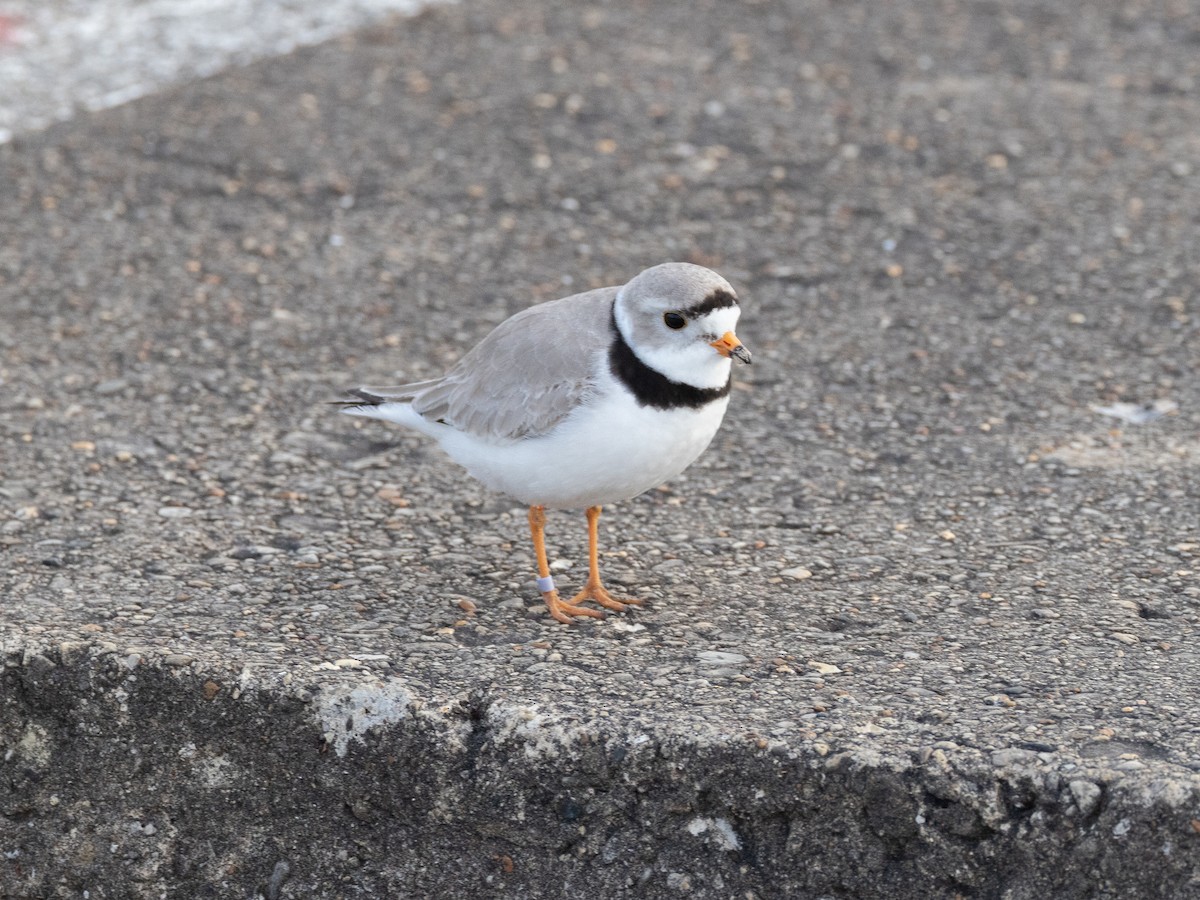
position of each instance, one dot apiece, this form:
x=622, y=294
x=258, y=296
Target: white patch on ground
x=348, y=714
x=1134, y=453
x=34, y=747
x=216, y=772
x=1138, y=413
x=720, y=832
x=60, y=57
x=542, y=736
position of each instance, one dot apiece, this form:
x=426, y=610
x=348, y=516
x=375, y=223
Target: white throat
x=691, y=362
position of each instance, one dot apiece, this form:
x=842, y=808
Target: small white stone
x=798, y=572
x=823, y=668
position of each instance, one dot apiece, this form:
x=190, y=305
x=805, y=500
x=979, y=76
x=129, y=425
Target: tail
x=390, y=405
x=364, y=400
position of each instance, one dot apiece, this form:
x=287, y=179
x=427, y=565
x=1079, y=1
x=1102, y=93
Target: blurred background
x=60, y=56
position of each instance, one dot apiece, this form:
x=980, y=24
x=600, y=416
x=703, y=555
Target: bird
x=581, y=402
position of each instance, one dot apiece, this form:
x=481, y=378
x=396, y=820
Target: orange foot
x=564, y=611
x=594, y=590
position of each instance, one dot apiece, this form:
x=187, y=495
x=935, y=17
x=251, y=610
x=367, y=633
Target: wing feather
x=525, y=377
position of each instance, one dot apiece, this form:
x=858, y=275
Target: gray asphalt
x=957, y=229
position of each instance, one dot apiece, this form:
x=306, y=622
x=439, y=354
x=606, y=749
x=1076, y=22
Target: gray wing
x=526, y=376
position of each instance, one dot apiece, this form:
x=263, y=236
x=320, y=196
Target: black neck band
x=652, y=388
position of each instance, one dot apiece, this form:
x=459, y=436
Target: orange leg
x=594, y=589
x=560, y=610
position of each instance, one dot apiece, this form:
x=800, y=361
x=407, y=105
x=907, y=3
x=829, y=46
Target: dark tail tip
x=362, y=398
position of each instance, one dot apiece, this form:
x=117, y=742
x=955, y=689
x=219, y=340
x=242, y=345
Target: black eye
x=674, y=320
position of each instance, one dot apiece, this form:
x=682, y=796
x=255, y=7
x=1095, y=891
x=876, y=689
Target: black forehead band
x=718, y=299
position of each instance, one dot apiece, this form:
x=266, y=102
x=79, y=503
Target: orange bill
x=729, y=345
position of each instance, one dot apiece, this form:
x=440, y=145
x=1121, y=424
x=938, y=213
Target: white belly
x=605, y=452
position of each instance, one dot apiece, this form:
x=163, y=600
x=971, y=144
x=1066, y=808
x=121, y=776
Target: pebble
x=174, y=512
x=1011, y=756
x=112, y=386
x=798, y=572
x=621, y=626
x=823, y=668
x=721, y=658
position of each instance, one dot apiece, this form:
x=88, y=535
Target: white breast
x=608, y=450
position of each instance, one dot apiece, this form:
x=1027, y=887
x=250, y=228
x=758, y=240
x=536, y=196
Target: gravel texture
x=922, y=622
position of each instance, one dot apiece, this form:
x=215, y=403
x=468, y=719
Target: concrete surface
x=922, y=623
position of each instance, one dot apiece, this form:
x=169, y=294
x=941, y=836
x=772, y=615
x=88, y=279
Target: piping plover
x=583, y=401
